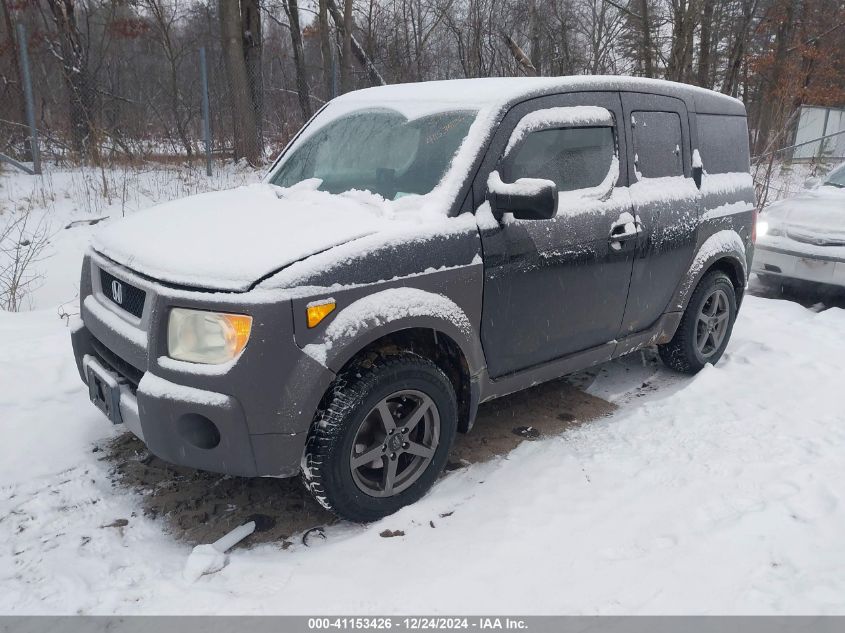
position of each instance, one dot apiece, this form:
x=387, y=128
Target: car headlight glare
x=772, y=229
x=198, y=336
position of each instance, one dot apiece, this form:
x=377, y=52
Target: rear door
x=556, y=287
x=666, y=203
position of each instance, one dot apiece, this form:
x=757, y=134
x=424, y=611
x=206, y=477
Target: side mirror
x=526, y=199
x=811, y=183
x=697, y=173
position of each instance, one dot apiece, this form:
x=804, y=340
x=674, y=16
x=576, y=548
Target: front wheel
x=706, y=326
x=383, y=437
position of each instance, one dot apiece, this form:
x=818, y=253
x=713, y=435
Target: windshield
x=836, y=177
x=377, y=150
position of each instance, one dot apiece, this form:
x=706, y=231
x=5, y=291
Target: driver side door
x=556, y=287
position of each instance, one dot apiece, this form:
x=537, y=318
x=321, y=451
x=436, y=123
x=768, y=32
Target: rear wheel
x=706, y=326
x=383, y=437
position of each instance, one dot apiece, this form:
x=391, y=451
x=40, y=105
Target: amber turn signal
x=319, y=310
x=239, y=328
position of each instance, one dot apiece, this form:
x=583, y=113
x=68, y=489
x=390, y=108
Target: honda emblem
x=117, y=292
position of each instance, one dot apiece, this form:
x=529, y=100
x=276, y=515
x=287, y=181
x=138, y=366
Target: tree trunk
x=346, y=48
x=375, y=77
x=326, y=48
x=519, y=55
x=705, y=45
x=683, y=27
x=252, y=51
x=648, y=47
x=77, y=78
x=731, y=83
x=772, y=100
x=10, y=28
x=243, y=115
x=302, y=89
x=536, y=39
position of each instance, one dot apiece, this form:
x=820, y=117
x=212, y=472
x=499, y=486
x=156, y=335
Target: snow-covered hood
x=228, y=240
x=813, y=216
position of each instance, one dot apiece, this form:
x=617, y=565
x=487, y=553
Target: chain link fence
x=151, y=97
x=29, y=132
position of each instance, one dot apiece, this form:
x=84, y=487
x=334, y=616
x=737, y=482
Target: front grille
x=123, y=294
x=130, y=373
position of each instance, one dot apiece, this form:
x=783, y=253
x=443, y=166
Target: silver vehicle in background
x=802, y=238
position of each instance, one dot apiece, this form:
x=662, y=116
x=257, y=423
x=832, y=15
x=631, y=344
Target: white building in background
x=815, y=122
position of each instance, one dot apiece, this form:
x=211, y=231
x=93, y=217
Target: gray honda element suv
x=417, y=250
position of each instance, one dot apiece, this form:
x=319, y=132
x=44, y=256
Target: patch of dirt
x=548, y=409
x=200, y=507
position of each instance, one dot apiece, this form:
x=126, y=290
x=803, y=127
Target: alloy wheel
x=395, y=443
x=712, y=323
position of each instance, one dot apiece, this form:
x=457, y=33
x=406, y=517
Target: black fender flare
x=391, y=310
x=726, y=245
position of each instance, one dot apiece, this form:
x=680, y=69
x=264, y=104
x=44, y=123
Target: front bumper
x=793, y=264
x=175, y=422
x=249, y=419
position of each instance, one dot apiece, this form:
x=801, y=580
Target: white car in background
x=803, y=237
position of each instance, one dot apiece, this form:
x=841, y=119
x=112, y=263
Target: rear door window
x=573, y=158
x=657, y=144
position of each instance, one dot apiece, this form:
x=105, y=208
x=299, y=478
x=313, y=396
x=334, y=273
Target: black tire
x=407, y=383
x=767, y=280
x=685, y=352
x=771, y=283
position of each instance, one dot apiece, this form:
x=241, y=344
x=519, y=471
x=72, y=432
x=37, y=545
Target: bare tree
x=705, y=44
x=252, y=50
x=346, y=48
x=326, y=47
x=738, y=46
x=164, y=17
x=132, y=82
x=770, y=107
x=245, y=124
x=21, y=248
x=684, y=19
x=73, y=54
x=519, y=55
x=374, y=75
x=302, y=89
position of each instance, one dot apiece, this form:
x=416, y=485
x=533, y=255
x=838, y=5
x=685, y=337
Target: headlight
x=198, y=336
x=772, y=229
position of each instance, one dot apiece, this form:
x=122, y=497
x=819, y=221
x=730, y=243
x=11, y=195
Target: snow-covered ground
x=720, y=493
x=63, y=201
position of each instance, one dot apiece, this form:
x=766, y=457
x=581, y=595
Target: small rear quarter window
x=723, y=143
x=657, y=144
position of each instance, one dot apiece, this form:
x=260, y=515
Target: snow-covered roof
x=501, y=91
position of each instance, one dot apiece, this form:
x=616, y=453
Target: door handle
x=623, y=229
x=620, y=233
